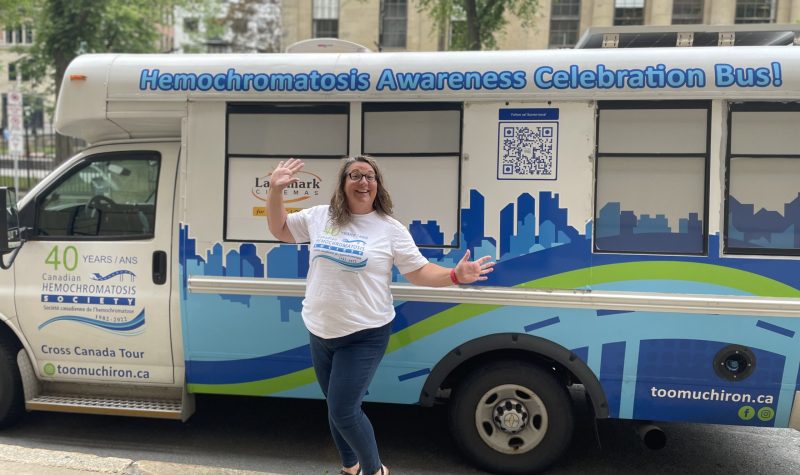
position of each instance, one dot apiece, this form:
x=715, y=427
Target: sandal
x=384, y=471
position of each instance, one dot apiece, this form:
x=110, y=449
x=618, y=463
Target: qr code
x=527, y=150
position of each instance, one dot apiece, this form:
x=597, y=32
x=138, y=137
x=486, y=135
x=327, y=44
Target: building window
x=17, y=35
x=14, y=70
x=394, y=17
x=565, y=18
x=629, y=12
x=218, y=46
x=687, y=12
x=325, y=21
x=457, y=33
x=240, y=25
x=753, y=11
x=191, y=25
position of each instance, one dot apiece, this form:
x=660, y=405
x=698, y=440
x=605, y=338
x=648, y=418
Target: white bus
x=643, y=207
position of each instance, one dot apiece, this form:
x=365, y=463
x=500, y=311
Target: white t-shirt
x=350, y=271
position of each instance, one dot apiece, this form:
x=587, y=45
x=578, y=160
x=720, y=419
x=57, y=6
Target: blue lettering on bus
x=544, y=77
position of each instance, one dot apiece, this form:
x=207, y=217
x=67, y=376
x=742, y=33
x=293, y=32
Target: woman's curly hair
x=339, y=212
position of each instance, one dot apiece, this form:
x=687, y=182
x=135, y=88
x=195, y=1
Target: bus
x=642, y=205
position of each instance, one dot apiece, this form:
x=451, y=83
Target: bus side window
x=762, y=202
x=651, y=178
x=419, y=143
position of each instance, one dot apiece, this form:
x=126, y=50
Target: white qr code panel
x=527, y=151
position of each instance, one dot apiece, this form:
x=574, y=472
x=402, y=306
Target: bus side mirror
x=10, y=236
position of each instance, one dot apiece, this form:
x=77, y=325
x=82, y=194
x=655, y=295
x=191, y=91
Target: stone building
x=398, y=25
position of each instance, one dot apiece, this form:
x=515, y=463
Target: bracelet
x=453, y=277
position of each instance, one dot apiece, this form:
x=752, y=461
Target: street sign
x=16, y=124
x=16, y=131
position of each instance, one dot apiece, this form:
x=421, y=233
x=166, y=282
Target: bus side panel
x=528, y=180
x=652, y=365
x=234, y=344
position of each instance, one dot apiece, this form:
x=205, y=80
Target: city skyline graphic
x=764, y=228
x=291, y=261
x=623, y=230
x=527, y=226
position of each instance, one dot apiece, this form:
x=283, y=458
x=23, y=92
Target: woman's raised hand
x=468, y=272
x=284, y=174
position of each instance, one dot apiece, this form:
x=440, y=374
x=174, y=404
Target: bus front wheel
x=511, y=417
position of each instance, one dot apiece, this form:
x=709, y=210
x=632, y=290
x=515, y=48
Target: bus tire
x=11, y=396
x=511, y=417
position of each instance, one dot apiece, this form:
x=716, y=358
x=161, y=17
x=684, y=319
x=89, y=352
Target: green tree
x=64, y=29
x=474, y=23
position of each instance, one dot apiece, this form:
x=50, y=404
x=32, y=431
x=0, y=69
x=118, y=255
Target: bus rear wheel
x=511, y=417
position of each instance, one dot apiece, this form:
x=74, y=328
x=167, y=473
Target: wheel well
x=565, y=365
x=8, y=336
x=562, y=374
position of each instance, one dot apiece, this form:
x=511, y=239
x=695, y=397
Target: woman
x=348, y=306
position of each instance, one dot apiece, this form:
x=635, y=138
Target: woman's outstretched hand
x=284, y=174
x=468, y=272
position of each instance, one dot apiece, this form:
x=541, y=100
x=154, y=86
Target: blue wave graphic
x=248, y=369
x=99, y=277
x=112, y=326
x=354, y=265
x=354, y=240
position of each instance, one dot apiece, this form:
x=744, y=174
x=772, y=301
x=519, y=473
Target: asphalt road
x=290, y=437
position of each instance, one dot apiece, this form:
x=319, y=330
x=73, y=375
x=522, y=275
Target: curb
x=25, y=460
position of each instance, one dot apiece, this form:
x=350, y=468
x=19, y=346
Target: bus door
x=93, y=282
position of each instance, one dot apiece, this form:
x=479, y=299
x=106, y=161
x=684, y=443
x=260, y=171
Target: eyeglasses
x=357, y=176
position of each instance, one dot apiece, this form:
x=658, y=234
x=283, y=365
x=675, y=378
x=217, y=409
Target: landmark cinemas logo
x=307, y=187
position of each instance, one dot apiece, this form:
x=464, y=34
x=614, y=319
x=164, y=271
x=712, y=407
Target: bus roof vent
x=326, y=45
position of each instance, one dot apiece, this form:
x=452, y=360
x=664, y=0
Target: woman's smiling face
x=360, y=194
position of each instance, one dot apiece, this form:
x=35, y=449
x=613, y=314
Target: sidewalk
x=28, y=461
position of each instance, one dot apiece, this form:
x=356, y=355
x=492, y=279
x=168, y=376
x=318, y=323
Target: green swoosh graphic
x=749, y=282
x=259, y=388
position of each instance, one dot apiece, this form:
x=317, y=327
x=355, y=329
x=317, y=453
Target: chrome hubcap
x=510, y=416
x=511, y=419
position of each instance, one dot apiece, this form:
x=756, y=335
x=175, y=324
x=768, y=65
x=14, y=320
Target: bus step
x=108, y=405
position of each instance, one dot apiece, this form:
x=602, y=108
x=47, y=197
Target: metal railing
x=36, y=163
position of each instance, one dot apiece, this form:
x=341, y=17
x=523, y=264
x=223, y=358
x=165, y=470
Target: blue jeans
x=345, y=367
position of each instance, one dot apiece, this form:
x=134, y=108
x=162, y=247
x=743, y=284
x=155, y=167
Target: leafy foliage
x=236, y=26
x=64, y=29
x=255, y=26
x=474, y=24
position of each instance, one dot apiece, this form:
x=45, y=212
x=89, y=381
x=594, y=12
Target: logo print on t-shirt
x=345, y=252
